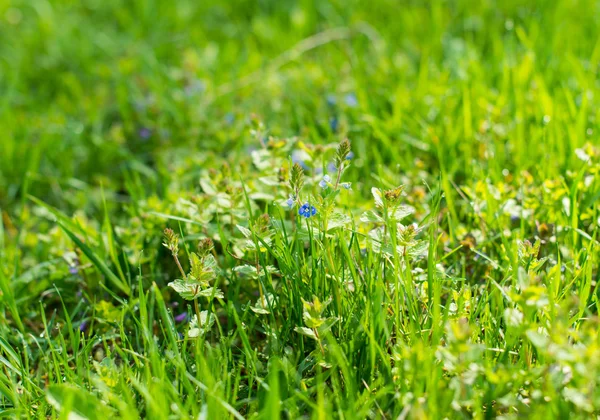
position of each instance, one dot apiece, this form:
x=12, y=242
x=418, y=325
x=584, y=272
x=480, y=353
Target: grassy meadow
x=299, y=209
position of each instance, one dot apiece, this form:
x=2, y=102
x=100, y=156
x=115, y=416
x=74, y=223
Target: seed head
x=296, y=178
x=262, y=223
x=392, y=196
x=342, y=153
x=171, y=241
x=205, y=247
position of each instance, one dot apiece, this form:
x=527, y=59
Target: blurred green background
x=96, y=92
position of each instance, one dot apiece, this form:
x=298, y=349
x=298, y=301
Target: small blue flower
x=351, y=100
x=346, y=185
x=331, y=167
x=331, y=100
x=307, y=210
x=290, y=202
x=350, y=155
x=325, y=181
x=333, y=124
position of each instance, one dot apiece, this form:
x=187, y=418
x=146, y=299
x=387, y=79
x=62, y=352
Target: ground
x=313, y=209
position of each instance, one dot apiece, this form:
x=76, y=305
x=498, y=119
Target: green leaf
x=539, y=340
x=245, y=231
x=79, y=404
x=245, y=270
x=211, y=292
x=371, y=217
x=208, y=187
x=191, y=290
x=204, y=327
x=272, y=181
x=306, y=331
x=378, y=197
x=186, y=290
x=264, y=305
x=401, y=212
x=338, y=220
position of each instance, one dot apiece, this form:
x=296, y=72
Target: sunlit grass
x=186, y=232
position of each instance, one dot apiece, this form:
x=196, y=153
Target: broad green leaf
x=78, y=403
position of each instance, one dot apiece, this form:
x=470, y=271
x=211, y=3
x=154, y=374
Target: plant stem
x=197, y=309
x=179, y=266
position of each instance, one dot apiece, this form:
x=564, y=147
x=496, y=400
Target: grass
x=449, y=269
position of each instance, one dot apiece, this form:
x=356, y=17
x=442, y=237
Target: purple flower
x=307, y=210
x=145, y=133
x=83, y=326
x=181, y=317
x=73, y=269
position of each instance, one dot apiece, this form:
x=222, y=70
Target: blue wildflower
x=290, y=202
x=333, y=124
x=351, y=100
x=331, y=100
x=307, y=210
x=350, y=155
x=325, y=181
x=346, y=185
